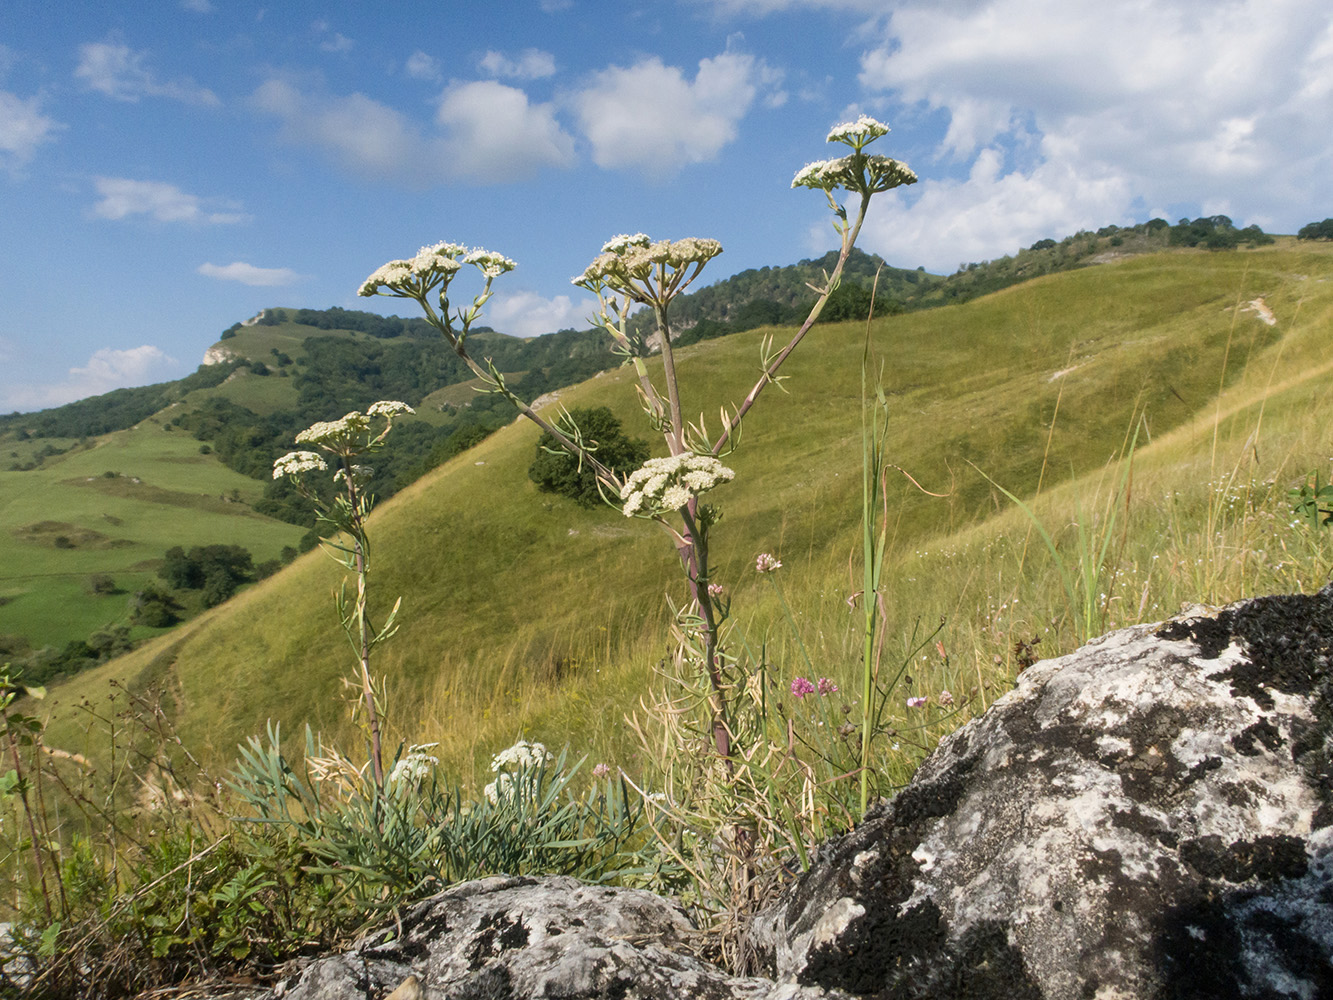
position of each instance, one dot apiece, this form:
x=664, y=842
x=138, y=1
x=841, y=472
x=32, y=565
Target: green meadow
x=112, y=506
x=1144, y=403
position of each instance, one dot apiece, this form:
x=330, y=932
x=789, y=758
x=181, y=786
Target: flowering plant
x=344, y=440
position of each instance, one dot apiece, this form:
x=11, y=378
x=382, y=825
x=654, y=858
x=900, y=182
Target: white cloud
x=107, y=369
x=649, y=117
x=555, y=6
x=248, y=274
x=113, y=69
x=944, y=223
x=421, y=66
x=495, y=135
x=531, y=64
x=338, y=43
x=491, y=133
x=122, y=197
x=527, y=314
x=22, y=129
x=197, y=6
x=1102, y=110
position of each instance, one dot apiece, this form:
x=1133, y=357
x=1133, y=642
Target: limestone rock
x=1148, y=817
x=521, y=938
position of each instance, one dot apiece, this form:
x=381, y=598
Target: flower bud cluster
x=857, y=172
x=664, y=484
x=431, y=266
x=629, y=258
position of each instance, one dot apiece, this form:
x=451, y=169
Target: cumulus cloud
x=248, y=274
x=489, y=133
x=944, y=223
x=112, y=68
x=122, y=197
x=107, y=369
x=531, y=64
x=496, y=135
x=421, y=66
x=650, y=118
x=527, y=314
x=1093, y=113
x=22, y=129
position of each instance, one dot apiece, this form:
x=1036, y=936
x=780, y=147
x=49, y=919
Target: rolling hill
x=527, y=615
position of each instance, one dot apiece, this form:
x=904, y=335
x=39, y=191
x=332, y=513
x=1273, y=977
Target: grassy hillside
x=527, y=615
x=118, y=502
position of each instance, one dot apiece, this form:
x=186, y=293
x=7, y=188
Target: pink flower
x=826, y=686
x=802, y=687
x=601, y=771
x=946, y=698
x=715, y=590
x=766, y=563
x=916, y=702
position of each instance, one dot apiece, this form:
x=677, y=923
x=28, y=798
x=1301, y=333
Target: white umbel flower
x=296, y=462
x=663, y=484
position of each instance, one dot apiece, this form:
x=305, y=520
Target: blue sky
x=169, y=167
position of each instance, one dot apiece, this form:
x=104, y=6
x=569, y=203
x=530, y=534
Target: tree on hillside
x=1316, y=231
x=217, y=570
x=556, y=472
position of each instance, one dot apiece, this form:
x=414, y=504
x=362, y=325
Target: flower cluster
x=334, y=435
x=346, y=436
x=296, y=462
x=625, y=259
x=857, y=172
x=664, y=484
x=766, y=563
x=801, y=687
x=858, y=133
x=388, y=408
x=431, y=266
x=415, y=767
x=522, y=756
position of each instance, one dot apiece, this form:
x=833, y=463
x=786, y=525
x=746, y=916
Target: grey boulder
x=1147, y=817
x=522, y=938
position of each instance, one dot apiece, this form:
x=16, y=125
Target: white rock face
x=218, y=356
x=1147, y=817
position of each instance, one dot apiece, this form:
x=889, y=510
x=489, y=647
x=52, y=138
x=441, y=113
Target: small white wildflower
x=415, y=767
x=502, y=785
x=490, y=264
x=865, y=129
x=296, y=462
x=388, y=408
x=619, y=244
x=521, y=755
x=766, y=563
x=391, y=275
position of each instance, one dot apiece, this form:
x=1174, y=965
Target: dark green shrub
x=554, y=471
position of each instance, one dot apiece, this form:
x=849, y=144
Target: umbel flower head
x=432, y=266
x=346, y=437
x=664, y=484
x=858, y=172
x=627, y=264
